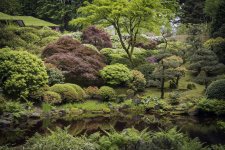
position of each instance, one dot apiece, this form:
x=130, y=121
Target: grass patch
x=89, y=105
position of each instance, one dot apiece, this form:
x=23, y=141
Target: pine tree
x=204, y=66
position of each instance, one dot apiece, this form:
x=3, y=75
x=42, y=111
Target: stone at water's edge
x=4, y=123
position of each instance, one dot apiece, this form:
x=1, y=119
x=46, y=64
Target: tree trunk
x=162, y=81
x=177, y=81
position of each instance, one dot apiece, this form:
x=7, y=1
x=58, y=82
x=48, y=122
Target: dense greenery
x=112, y=61
x=21, y=73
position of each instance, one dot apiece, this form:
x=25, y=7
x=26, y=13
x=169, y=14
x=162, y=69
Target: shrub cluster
x=92, y=91
x=28, y=38
x=69, y=92
x=97, y=37
x=78, y=62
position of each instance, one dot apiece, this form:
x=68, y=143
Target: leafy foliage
x=51, y=97
x=116, y=74
x=212, y=106
x=54, y=75
x=81, y=93
x=97, y=37
x=67, y=92
x=216, y=90
x=78, y=63
x=92, y=91
x=107, y=93
x=139, y=82
x=124, y=15
x=21, y=72
x=205, y=65
x=59, y=139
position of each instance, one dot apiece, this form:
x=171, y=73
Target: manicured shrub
x=51, y=97
x=138, y=82
x=216, y=90
x=54, y=75
x=107, y=93
x=21, y=72
x=67, y=92
x=117, y=74
x=92, y=91
x=97, y=37
x=78, y=62
x=81, y=93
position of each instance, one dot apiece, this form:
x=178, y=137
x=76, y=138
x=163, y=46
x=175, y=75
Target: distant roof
x=28, y=20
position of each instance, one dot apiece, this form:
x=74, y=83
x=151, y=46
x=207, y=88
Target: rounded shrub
x=92, y=91
x=107, y=93
x=116, y=74
x=216, y=90
x=67, y=92
x=139, y=82
x=81, y=93
x=21, y=73
x=51, y=97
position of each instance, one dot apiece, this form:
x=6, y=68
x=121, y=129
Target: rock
x=4, y=123
x=35, y=115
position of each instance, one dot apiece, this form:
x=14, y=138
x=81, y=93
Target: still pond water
x=206, y=129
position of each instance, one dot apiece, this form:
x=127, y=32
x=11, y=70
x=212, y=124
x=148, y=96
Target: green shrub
x=38, y=94
x=92, y=91
x=174, y=98
x=48, y=32
x=51, y=97
x=146, y=69
x=107, y=93
x=55, y=76
x=58, y=140
x=67, y=92
x=216, y=90
x=138, y=83
x=92, y=47
x=21, y=72
x=81, y=93
x=191, y=86
x=212, y=106
x=45, y=41
x=117, y=74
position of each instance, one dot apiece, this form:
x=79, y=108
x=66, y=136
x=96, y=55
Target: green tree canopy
x=127, y=16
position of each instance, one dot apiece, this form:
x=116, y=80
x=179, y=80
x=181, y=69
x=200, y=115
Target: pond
x=206, y=129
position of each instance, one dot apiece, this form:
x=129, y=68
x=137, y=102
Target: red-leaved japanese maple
x=79, y=64
x=97, y=37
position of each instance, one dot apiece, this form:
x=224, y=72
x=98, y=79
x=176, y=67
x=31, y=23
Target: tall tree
x=12, y=7
x=58, y=11
x=217, y=15
x=127, y=17
x=204, y=66
x=192, y=11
